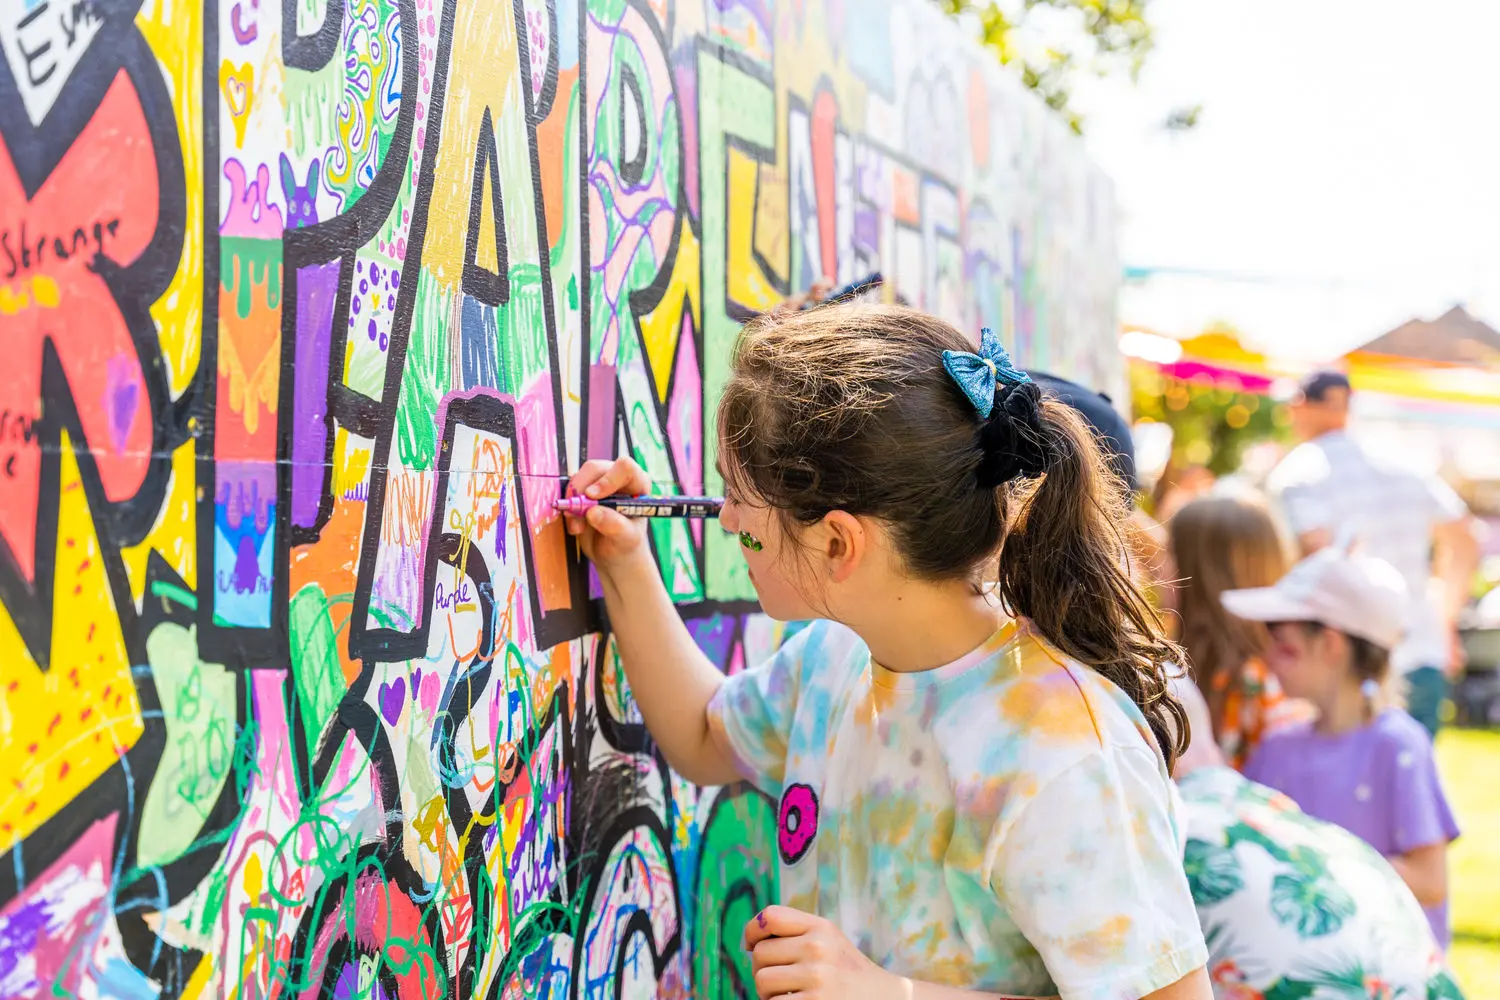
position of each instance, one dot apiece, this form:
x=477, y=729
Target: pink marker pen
x=646, y=506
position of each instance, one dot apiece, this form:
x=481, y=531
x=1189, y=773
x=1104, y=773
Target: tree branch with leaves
x=1050, y=42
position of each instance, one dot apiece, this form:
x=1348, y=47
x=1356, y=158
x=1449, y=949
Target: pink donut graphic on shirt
x=798, y=822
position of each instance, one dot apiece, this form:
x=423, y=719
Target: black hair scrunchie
x=1013, y=439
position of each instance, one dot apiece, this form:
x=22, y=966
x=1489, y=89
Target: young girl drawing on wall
x=972, y=768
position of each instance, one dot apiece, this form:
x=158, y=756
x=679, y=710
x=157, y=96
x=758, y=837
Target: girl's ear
x=1331, y=645
x=846, y=544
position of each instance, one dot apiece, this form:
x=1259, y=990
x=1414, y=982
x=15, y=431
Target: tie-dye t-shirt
x=1001, y=823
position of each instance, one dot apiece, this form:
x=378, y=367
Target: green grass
x=1470, y=763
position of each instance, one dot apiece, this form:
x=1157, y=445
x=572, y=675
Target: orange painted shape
x=555, y=145
x=907, y=205
x=549, y=547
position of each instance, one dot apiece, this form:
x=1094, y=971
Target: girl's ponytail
x=870, y=409
x=1064, y=563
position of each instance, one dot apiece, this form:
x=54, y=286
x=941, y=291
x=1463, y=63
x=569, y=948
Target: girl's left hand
x=797, y=953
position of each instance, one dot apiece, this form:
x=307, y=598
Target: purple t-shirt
x=1379, y=782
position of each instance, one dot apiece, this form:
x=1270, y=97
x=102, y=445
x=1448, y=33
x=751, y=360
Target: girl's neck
x=1344, y=709
x=923, y=626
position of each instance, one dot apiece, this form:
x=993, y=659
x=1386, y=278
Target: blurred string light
x=1153, y=449
x=1152, y=347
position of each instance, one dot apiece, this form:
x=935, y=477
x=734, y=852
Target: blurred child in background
x=1363, y=763
x=1350, y=929
x=1221, y=543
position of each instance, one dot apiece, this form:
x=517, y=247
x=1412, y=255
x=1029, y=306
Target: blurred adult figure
x=1414, y=522
x=1219, y=543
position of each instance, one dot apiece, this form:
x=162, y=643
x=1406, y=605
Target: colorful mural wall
x=305, y=308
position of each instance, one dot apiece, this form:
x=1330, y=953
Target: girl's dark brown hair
x=1219, y=544
x=850, y=408
x=1371, y=662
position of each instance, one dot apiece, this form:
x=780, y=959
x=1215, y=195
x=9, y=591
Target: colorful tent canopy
x=1424, y=388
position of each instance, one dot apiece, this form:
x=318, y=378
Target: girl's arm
x=1423, y=821
x=670, y=678
x=1425, y=872
x=1193, y=986
x=803, y=955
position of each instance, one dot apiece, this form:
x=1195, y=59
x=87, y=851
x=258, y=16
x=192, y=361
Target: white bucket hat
x=1357, y=595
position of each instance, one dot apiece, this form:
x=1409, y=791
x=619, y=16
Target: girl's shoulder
x=814, y=654
x=1039, y=712
x=819, y=642
x=1394, y=731
x=1113, y=717
x=1290, y=733
x=1397, y=724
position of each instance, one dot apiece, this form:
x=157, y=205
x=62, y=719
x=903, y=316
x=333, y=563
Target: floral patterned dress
x=1297, y=909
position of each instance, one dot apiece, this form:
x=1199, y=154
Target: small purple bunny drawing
x=301, y=202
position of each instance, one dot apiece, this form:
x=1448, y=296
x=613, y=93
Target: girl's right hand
x=608, y=539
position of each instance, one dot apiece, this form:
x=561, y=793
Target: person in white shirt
x=1414, y=522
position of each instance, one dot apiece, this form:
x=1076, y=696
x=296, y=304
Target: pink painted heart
x=392, y=698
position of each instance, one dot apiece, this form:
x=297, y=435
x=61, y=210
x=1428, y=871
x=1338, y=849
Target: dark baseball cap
x=1109, y=427
x=1316, y=386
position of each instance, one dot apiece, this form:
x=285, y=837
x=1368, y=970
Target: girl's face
x=1309, y=661
x=775, y=564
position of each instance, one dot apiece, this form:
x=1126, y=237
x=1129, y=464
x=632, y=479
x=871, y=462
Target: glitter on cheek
x=750, y=542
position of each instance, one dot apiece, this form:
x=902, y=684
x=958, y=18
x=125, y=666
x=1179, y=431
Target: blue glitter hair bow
x=979, y=374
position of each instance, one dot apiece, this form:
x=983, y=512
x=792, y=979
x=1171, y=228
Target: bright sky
x=1347, y=162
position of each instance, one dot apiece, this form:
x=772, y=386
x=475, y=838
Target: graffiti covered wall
x=305, y=307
